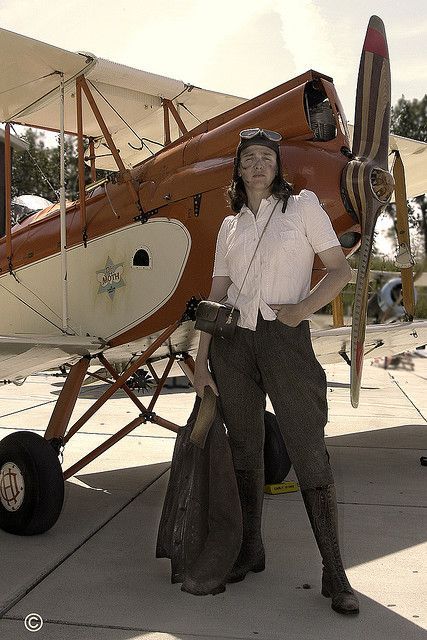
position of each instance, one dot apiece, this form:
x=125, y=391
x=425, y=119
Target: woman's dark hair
x=236, y=192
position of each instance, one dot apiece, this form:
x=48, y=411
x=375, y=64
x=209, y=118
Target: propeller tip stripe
x=375, y=42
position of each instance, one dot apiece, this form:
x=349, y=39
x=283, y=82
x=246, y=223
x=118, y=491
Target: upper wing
x=30, y=80
x=414, y=158
x=381, y=340
x=29, y=77
x=22, y=355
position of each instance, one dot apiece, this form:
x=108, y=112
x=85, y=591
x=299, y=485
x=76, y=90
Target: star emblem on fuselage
x=110, y=278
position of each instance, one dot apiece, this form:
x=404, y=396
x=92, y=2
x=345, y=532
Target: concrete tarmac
x=94, y=575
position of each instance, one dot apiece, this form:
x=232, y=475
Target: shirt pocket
x=289, y=240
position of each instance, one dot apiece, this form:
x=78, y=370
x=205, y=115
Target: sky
x=241, y=47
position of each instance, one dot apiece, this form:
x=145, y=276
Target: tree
x=409, y=119
x=36, y=170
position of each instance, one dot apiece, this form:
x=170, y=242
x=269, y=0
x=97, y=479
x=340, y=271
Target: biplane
x=115, y=277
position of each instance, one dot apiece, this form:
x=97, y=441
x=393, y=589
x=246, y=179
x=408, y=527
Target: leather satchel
x=217, y=319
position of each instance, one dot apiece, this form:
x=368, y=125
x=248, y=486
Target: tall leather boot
x=321, y=506
x=252, y=555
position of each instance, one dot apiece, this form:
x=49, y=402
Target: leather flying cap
x=256, y=135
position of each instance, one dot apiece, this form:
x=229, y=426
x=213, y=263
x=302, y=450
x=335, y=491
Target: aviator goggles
x=255, y=132
x=258, y=136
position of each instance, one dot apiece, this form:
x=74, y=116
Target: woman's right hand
x=203, y=378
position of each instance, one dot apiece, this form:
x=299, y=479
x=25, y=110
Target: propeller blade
x=404, y=259
x=360, y=308
x=373, y=188
x=366, y=179
x=373, y=96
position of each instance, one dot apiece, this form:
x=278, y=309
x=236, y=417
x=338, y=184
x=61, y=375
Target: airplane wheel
x=277, y=463
x=31, y=484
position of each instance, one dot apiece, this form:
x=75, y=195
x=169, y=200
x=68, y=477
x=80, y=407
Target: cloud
x=249, y=60
x=190, y=41
x=314, y=41
x=406, y=29
x=236, y=46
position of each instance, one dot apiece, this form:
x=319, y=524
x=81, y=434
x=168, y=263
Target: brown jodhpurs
x=277, y=360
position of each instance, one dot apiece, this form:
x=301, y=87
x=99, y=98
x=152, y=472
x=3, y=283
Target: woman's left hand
x=291, y=314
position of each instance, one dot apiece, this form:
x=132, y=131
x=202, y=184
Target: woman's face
x=258, y=167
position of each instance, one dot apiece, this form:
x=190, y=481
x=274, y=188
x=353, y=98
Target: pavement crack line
x=96, y=433
x=381, y=504
x=393, y=379
x=28, y=590
x=34, y=406
x=361, y=446
x=88, y=625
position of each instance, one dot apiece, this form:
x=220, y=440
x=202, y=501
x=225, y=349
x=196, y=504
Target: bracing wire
x=142, y=140
x=123, y=120
x=24, y=84
x=36, y=164
x=181, y=104
x=111, y=107
x=187, y=87
x=40, y=300
x=32, y=309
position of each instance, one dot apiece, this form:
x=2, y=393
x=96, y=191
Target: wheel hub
x=12, y=487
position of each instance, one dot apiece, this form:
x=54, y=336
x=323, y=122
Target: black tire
x=277, y=463
x=29, y=465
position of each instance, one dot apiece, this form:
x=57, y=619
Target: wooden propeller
x=366, y=178
x=404, y=258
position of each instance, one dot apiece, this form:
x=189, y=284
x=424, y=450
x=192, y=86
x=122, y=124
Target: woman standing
x=271, y=352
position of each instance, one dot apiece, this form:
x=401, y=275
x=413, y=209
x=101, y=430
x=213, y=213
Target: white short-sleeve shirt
x=281, y=270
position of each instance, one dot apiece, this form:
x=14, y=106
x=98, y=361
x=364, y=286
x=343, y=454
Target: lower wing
x=22, y=355
x=333, y=345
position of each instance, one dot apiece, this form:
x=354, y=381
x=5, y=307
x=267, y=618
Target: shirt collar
x=271, y=200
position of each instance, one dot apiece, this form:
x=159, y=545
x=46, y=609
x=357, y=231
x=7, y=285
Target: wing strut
x=7, y=189
x=63, y=210
x=124, y=173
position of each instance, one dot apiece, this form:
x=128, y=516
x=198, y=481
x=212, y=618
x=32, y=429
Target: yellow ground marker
x=281, y=487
